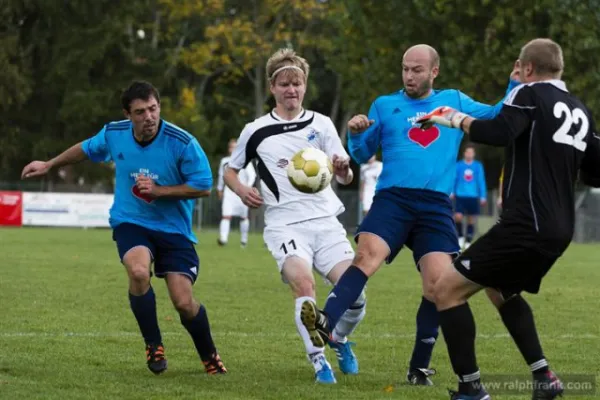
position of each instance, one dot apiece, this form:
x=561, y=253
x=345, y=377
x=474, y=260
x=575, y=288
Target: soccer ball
x=310, y=170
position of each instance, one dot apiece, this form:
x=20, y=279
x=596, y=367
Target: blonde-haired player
x=302, y=230
x=231, y=204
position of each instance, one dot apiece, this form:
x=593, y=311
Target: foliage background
x=64, y=64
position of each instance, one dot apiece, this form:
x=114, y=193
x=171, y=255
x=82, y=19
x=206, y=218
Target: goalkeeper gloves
x=445, y=116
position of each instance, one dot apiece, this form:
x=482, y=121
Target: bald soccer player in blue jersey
x=411, y=206
x=160, y=171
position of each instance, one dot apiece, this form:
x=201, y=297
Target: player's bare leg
x=347, y=324
x=298, y=273
x=195, y=320
x=518, y=319
x=143, y=304
x=370, y=254
x=224, y=228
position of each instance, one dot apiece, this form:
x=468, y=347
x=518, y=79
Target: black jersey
x=547, y=133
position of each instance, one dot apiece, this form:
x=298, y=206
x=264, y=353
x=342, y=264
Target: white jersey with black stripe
x=273, y=141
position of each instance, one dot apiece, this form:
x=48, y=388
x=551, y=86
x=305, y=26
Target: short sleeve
x=194, y=167
x=96, y=148
x=239, y=157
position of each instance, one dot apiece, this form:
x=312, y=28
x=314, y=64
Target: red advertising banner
x=11, y=208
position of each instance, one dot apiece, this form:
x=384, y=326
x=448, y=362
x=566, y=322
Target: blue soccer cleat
x=323, y=372
x=482, y=395
x=346, y=358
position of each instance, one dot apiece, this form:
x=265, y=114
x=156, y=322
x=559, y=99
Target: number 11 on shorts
x=290, y=243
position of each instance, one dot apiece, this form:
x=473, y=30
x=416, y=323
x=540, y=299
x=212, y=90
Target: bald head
x=420, y=66
x=423, y=52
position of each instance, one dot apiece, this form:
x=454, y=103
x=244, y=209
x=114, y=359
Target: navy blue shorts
x=420, y=219
x=467, y=205
x=171, y=252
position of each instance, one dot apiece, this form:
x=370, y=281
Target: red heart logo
x=468, y=175
x=136, y=192
x=424, y=137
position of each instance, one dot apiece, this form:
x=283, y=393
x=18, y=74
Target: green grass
x=66, y=330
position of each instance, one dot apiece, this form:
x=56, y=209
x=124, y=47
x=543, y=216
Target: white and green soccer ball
x=310, y=170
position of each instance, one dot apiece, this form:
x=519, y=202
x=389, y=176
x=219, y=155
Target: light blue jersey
x=173, y=157
x=470, y=180
x=413, y=157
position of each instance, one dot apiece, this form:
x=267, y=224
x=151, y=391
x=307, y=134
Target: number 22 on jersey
x=575, y=117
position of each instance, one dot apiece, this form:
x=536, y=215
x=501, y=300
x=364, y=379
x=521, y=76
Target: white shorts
x=234, y=207
x=321, y=242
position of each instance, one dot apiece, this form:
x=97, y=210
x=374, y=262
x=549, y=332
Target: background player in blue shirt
x=469, y=192
x=160, y=170
x=411, y=205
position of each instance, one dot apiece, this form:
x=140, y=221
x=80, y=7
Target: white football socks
x=311, y=350
x=224, y=230
x=244, y=228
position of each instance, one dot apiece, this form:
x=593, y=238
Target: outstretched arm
x=514, y=119
x=72, y=155
x=94, y=148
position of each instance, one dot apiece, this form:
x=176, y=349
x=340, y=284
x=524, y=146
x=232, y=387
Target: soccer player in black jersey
x=549, y=137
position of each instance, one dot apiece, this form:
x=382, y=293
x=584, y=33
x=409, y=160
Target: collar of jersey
x=161, y=126
x=426, y=99
x=299, y=117
x=557, y=83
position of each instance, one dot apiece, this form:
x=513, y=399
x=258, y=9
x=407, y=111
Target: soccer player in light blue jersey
x=470, y=192
x=411, y=206
x=160, y=171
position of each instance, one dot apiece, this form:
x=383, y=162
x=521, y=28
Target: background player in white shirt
x=302, y=230
x=369, y=173
x=231, y=204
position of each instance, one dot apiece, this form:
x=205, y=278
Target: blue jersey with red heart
x=470, y=180
x=172, y=157
x=413, y=157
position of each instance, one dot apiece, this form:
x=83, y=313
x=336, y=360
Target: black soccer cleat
x=548, y=387
x=220, y=243
x=155, y=358
x=420, y=376
x=316, y=323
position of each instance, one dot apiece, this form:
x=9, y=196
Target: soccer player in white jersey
x=231, y=204
x=302, y=230
x=369, y=173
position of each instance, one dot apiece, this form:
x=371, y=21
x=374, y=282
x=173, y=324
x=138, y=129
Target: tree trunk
x=259, y=90
x=155, y=30
x=335, y=106
x=343, y=128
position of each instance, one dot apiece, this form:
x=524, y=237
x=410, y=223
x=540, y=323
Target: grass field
x=66, y=330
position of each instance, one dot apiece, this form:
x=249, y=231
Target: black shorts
x=171, y=252
x=507, y=259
